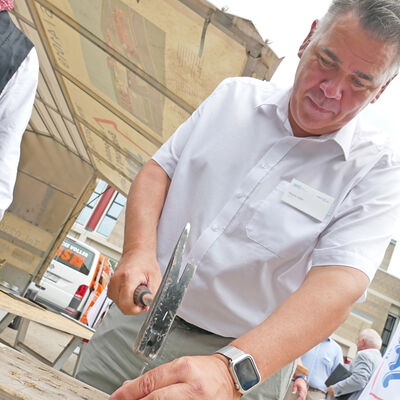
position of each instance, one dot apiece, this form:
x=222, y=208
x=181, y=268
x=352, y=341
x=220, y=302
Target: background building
x=380, y=311
x=101, y=222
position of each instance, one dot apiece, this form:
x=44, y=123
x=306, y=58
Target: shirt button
x=264, y=165
x=215, y=228
x=239, y=195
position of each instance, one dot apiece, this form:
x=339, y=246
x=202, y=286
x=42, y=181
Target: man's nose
x=332, y=89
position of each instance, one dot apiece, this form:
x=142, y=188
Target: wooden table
x=25, y=378
x=16, y=305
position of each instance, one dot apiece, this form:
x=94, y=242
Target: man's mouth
x=321, y=103
x=320, y=108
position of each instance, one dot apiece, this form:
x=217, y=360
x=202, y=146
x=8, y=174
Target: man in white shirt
x=292, y=203
x=19, y=74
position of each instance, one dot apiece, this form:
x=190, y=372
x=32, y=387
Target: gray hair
x=371, y=337
x=380, y=18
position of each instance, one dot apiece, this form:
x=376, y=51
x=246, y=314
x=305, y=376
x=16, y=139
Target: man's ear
x=382, y=89
x=307, y=40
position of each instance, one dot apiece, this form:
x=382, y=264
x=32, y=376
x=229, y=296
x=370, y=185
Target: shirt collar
x=280, y=99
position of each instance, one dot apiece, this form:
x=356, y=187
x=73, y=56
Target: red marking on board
x=100, y=122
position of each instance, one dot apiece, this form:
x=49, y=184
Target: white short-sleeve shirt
x=230, y=164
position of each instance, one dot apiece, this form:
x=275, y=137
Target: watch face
x=246, y=373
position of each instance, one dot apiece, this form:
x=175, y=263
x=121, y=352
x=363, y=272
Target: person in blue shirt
x=320, y=361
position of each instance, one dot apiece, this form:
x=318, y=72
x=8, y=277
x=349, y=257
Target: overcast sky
x=285, y=23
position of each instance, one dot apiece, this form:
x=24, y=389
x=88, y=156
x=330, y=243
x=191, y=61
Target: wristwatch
x=242, y=368
x=304, y=377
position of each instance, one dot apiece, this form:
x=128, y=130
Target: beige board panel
x=38, y=123
x=119, y=161
x=77, y=139
x=47, y=119
x=18, y=256
x=50, y=181
x=187, y=74
x=163, y=38
x=62, y=129
x=121, y=134
x=25, y=378
x=53, y=164
x=24, y=231
x=40, y=204
x=47, y=69
x=44, y=92
x=120, y=183
x=21, y=7
x=155, y=114
x=17, y=305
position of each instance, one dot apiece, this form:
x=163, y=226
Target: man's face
x=360, y=343
x=340, y=72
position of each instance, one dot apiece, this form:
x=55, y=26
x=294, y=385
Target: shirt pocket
x=328, y=363
x=281, y=228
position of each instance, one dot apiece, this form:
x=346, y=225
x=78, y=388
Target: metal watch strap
x=238, y=359
x=231, y=352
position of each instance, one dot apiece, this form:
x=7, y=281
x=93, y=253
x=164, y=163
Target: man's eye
x=358, y=83
x=325, y=62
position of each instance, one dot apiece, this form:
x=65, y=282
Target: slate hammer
x=163, y=308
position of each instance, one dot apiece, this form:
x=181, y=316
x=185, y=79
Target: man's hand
x=186, y=378
x=300, y=387
x=330, y=392
x=134, y=269
x=138, y=264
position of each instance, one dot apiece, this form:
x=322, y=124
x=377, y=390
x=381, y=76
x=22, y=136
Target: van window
x=75, y=256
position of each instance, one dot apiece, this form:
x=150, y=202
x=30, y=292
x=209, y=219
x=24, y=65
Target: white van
x=75, y=275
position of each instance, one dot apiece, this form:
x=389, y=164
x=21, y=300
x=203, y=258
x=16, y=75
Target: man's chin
x=315, y=129
x=311, y=123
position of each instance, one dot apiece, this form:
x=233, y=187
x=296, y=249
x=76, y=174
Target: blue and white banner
x=385, y=382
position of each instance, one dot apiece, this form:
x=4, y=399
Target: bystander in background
x=362, y=367
x=320, y=361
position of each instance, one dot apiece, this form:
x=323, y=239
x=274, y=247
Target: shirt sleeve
x=169, y=153
x=16, y=102
x=364, y=222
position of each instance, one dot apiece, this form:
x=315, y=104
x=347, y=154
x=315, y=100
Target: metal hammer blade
x=163, y=309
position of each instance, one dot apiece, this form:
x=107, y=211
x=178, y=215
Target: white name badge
x=308, y=200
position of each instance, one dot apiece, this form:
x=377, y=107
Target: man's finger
x=172, y=392
x=125, y=299
x=121, y=292
x=180, y=370
x=112, y=291
x=157, y=378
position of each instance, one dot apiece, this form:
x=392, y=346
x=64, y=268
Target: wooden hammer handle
x=142, y=296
